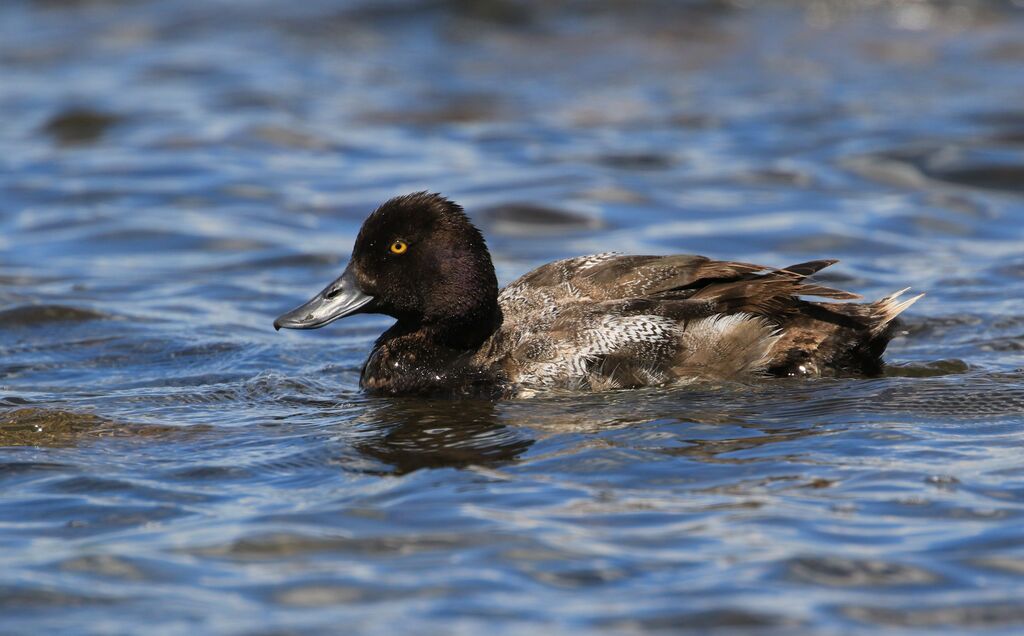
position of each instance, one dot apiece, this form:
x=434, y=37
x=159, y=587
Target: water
x=175, y=174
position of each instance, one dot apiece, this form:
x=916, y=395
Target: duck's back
x=611, y=321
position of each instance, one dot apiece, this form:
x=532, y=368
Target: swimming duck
x=590, y=323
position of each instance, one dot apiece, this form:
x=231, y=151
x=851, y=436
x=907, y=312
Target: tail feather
x=774, y=292
x=885, y=310
x=821, y=291
x=810, y=267
x=803, y=270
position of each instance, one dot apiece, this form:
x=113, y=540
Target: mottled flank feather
x=726, y=347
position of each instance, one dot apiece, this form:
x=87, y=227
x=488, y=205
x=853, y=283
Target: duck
x=591, y=323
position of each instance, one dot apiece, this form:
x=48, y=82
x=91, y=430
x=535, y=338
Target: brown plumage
x=586, y=323
x=679, y=318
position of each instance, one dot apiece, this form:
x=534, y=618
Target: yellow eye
x=399, y=247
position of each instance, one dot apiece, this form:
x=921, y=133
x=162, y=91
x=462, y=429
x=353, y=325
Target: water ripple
x=176, y=173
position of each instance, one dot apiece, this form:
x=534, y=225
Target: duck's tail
x=884, y=310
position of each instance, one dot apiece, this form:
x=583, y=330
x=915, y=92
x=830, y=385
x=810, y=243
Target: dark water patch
x=995, y=177
x=837, y=571
x=1009, y=565
x=730, y=451
x=285, y=137
x=278, y=546
x=984, y=398
x=14, y=401
x=1013, y=137
x=573, y=576
x=258, y=101
x=1000, y=118
x=80, y=125
x=300, y=390
x=958, y=165
x=15, y=598
x=695, y=120
x=978, y=397
x=415, y=445
x=775, y=176
x=40, y=346
x=111, y=566
x=23, y=280
x=209, y=473
x=29, y=315
x=924, y=508
x=638, y=161
x=90, y=485
x=199, y=388
x=15, y=470
x=1009, y=270
x=76, y=517
x=280, y=261
x=130, y=241
x=942, y=325
x=830, y=243
x=930, y=369
x=529, y=219
x=461, y=109
x=725, y=620
x=79, y=4
x=965, y=616
x=1010, y=344
x=294, y=467
x=1008, y=127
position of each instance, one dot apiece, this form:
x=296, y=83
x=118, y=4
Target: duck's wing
x=543, y=292
x=611, y=276
x=773, y=294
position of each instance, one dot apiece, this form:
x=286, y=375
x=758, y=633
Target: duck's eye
x=399, y=247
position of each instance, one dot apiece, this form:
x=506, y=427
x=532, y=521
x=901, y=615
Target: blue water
x=174, y=174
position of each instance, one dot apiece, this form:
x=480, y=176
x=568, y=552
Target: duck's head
x=418, y=259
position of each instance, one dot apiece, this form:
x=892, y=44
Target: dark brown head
x=417, y=258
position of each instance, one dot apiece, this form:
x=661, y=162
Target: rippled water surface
x=175, y=174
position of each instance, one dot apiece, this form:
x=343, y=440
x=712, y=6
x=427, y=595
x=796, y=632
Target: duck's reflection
x=408, y=434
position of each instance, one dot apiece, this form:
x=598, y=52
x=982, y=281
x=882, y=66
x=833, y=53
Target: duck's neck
x=430, y=358
x=455, y=332
x=462, y=309
x=465, y=331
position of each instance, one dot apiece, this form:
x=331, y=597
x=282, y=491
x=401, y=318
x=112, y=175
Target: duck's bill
x=339, y=299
